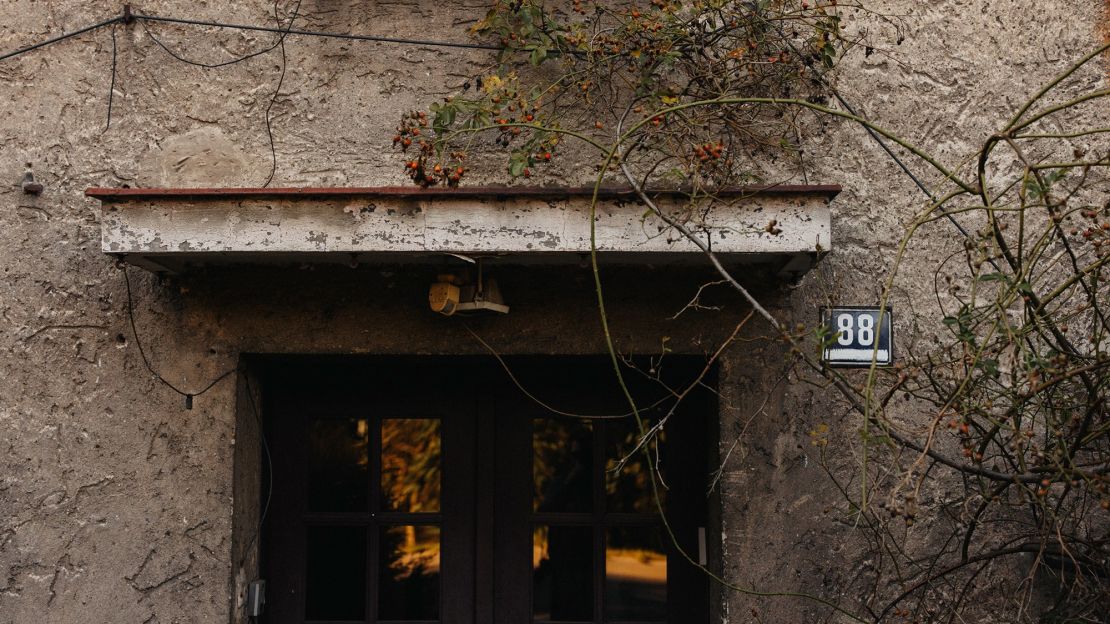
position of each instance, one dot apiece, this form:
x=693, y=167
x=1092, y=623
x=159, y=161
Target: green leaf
x=516, y=166
x=988, y=366
x=538, y=55
x=444, y=117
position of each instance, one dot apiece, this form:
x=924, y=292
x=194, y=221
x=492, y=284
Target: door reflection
x=339, y=455
x=411, y=464
x=562, y=452
x=408, y=577
x=635, y=574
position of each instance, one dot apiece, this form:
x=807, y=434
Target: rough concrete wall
x=951, y=77
x=117, y=503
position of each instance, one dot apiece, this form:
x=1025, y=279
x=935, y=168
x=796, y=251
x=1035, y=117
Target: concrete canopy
x=169, y=230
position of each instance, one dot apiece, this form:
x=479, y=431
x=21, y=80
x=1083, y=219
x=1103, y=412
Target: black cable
x=327, y=35
x=277, y=90
x=80, y=31
x=280, y=41
x=901, y=165
x=886, y=148
x=112, y=86
x=291, y=31
x=269, y=471
x=142, y=352
x=422, y=42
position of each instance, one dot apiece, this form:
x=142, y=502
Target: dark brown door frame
x=486, y=548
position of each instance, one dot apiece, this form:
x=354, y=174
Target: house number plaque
x=857, y=334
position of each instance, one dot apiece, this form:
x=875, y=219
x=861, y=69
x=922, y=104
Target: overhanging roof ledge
x=173, y=228
x=464, y=192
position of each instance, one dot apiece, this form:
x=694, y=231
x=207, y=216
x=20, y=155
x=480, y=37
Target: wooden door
x=434, y=490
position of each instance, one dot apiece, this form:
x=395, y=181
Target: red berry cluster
x=413, y=124
x=709, y=151
x=1096, y=234
x=963, y=429
x=411, y=131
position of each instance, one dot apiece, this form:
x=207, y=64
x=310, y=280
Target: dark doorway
x=435, y=489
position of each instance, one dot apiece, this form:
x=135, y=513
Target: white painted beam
x=257, y=227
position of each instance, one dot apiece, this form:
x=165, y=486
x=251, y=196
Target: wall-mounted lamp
x=455, y=292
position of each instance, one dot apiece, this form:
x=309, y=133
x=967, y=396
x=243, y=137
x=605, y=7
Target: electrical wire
x=63, y=37
x=553, y=410
x=282, y=31
x=277, y=90
x=323, y=34
x=407, y=41
x=269, y=471
x=146, y=362
x=112, y=86
x=280, y=43
x=250, y=27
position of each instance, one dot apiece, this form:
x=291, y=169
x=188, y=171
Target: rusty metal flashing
x=468, y=192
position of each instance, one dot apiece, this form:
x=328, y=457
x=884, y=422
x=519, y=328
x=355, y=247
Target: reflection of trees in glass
x=411, y=464
x=635, y=574
x=562, y=458
x=409, y=572
x=630, y=488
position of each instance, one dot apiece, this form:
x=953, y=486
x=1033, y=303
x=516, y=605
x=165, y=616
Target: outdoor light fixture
x=455, y=292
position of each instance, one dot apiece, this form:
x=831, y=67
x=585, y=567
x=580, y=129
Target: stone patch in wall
x=201, y=157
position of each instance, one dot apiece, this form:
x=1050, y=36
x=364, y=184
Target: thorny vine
x=999, y=436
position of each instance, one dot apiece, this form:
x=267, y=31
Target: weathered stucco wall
x=116, y=503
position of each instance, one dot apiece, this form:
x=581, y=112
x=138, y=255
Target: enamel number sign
x=857, y=334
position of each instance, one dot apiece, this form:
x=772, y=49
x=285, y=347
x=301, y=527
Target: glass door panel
x=408, y=577
x=471, y=504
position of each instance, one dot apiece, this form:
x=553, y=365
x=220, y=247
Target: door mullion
x=512, y=509
x=484, y=506
x=458, y=581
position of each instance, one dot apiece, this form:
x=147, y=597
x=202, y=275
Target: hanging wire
x=509, y=372
x=127, y=16
x=112, y=86
x=269, y=471
x=52, y=40
x=323, y=34
x=146, y=362
x=282, y=31
x=277, y=90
